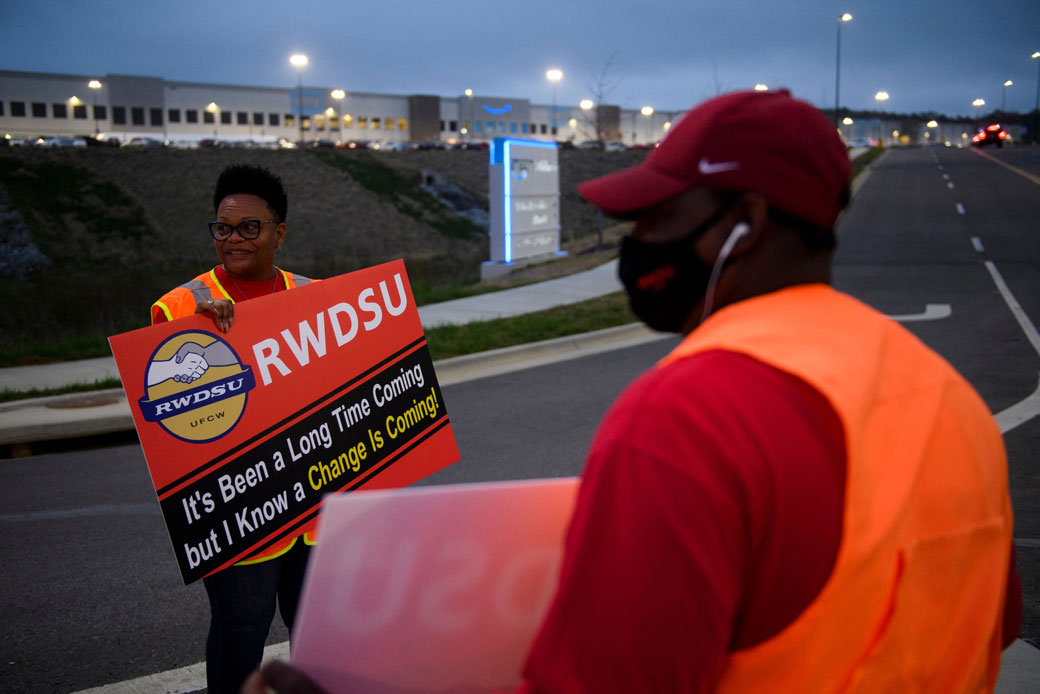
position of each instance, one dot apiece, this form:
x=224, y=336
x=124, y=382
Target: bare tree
x=718, y=84
x=600, y=86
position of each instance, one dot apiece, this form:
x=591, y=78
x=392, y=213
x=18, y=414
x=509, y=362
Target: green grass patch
x=595, y=314
x=7, y=395
x=72, y=214
x=863, y=161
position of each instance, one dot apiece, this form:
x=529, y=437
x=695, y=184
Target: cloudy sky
x=670, y=54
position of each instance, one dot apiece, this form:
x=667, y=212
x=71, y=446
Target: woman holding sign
x=250, y=205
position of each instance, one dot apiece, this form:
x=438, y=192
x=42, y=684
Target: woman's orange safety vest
x=915, y=599
x=181, y=302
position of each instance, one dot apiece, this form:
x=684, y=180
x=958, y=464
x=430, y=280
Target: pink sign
x=431, y=589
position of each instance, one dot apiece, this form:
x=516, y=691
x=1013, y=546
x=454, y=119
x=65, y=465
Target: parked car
x=992, y=134
x=614, y=146
x=143, y=142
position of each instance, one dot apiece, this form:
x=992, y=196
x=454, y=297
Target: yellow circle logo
x=196, y=386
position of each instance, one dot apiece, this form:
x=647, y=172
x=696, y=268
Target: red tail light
x=993, y=128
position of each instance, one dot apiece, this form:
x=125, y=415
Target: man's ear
x=740, y=230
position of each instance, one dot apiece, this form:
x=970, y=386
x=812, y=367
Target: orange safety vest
x=181, y=302
x=915, y=599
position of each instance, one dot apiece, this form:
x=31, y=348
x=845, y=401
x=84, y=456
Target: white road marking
x=950, y=185
x=977, y=243
x=931, y=312
x=960, y=208
x=1030, y=542
x=1023, y=411
x=190, y=678
x=946, y=177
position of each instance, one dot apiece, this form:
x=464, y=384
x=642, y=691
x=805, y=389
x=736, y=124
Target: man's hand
x=223, y=311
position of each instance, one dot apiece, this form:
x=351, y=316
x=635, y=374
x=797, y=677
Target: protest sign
x=431, y=589
x=323, y=389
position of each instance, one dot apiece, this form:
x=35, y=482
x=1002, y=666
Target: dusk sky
x=670, y=54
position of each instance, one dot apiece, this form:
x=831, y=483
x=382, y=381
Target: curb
x=75, y=415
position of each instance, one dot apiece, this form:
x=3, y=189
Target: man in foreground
x=801, y=496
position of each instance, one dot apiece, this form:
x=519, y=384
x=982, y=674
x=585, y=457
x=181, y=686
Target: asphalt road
x=89, y=589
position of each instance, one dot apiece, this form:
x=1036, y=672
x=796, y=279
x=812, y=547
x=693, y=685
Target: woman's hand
x=223, y=311
x=281, y=678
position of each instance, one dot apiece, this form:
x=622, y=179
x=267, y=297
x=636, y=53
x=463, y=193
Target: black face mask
x=665, y=281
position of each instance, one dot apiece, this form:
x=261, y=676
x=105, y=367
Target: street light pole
x=94, y=87
x=212, y=108
x=880, y=97
x=299, y=60
x=554, y=75
x=339, y=95
x=647, y=111
x=1003, y=96
x=837, y=68
x=1036, y=107
x=470, y=124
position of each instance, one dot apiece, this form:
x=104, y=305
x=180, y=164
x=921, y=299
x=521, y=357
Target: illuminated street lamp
x=761, y=87
x=213, y=109
x=94, y=86
x=1003, y=95
x=299, y=61
x=847, y=121
x=586, y=104
x=647, y=111
x=846, y=17
x=339, y=95
x=554, y=75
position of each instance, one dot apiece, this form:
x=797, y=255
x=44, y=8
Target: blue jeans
x=242, y=602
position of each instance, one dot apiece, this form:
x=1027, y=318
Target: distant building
x=126, y=106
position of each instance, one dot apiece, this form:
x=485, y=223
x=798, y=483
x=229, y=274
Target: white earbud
x=740, y=229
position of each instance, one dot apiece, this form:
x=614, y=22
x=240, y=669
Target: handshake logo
x=196, y=387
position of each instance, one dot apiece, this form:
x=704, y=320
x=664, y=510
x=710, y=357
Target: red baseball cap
x=764, y=142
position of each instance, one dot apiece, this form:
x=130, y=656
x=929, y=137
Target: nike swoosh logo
x=707, y=168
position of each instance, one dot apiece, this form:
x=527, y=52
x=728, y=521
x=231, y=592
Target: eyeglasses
x=248, y=229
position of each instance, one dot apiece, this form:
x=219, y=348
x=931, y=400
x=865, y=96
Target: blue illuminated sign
x=498, y=111
x=500, y=154
x=313, y=101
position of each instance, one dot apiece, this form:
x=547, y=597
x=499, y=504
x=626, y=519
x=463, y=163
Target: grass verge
x=595, y=314
x=863, y=161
